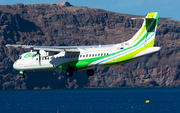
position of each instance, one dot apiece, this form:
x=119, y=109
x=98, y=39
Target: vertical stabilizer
x=146, y=34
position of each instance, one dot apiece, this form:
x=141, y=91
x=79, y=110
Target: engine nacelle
x=43, y=53
x=47, y=53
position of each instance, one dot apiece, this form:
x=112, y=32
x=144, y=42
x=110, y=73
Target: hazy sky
x=166, y=8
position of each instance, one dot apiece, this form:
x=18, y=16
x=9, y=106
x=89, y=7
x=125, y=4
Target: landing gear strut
x=23, y=76
x=90, y=72
x=69, y=72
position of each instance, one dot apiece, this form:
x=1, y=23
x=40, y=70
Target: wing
x=51, y=48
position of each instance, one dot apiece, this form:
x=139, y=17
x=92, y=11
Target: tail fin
x=146, y=34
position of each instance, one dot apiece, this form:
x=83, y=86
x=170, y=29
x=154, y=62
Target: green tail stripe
x=148, y=22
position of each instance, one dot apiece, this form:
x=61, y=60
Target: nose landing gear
x=23, y=74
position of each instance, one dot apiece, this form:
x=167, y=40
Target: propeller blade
x=39, y=59
x=36, y=54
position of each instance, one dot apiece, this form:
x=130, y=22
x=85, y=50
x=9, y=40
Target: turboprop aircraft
x=78, y=58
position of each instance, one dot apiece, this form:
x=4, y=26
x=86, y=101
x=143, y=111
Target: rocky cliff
x=64, y=24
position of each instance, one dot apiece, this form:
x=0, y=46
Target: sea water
x=91, y=101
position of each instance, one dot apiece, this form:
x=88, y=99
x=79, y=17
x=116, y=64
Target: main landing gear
x=90, y=72
x=69, y=72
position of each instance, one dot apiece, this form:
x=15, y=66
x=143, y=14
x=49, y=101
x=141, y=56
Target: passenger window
x=101, y=54
x=107, y=54
x=65, y=56
x=68, y=56
x=92, y=55
x=104, y=54
x=80, y=55
x=98, y=54
x=95, y=54
x=83, y=55
x=89, y=55
x=37, y=59
x=74, y=56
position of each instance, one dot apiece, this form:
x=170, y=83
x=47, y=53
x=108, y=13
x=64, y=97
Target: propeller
x=38, y=53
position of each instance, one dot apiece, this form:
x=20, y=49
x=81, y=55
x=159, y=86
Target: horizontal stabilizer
x=140, y=18
x=166, y=18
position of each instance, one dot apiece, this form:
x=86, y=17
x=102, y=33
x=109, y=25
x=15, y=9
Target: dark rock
x=64, y=24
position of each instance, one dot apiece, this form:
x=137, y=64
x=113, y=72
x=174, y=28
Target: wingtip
x=166, y=18
x=7, y=45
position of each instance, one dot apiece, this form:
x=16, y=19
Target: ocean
x=150, y=100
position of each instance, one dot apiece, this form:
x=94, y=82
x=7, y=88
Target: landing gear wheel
x=69, y=73
x=90, y=72
x=22, y=73
x=23, y=76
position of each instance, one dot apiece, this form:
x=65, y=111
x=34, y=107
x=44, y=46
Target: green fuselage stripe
x=81, y=64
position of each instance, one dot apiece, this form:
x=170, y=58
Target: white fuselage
x=51, y=62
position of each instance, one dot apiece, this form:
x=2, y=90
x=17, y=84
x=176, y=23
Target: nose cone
x=15, y=65
x=18, y=65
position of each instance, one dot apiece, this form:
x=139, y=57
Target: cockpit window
x=20, y=57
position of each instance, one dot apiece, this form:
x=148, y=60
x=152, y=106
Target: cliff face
x=64, y=24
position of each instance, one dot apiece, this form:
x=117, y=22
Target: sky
x=166, y=8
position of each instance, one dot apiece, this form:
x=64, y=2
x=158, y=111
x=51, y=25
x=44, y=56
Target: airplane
x=79, y=58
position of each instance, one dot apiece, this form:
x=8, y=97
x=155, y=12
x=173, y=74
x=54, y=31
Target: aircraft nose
x=15, y=65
